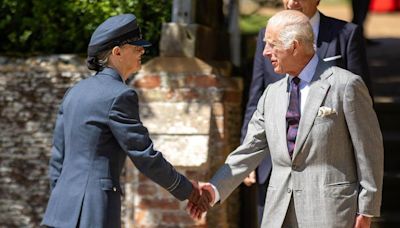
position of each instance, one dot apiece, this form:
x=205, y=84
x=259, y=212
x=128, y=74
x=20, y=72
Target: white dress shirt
x=314, y=21
x=305, y=76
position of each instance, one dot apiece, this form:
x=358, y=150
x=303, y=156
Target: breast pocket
x=336, y=60
x=325, y=119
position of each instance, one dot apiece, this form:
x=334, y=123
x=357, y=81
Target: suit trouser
x=261, y=195
x=290, y=220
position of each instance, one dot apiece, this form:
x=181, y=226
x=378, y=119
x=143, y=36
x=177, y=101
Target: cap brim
x=142, y=43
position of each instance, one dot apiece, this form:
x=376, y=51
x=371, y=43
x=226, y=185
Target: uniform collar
x=111, y=72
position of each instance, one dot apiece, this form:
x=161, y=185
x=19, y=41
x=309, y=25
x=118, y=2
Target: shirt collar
x=308, y=71
x=314, y=21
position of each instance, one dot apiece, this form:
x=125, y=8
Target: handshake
x=201, y=199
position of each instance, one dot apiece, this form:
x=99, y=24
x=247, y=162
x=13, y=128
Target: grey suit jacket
x=97, y=127
x=335, y=38
x=337, y=165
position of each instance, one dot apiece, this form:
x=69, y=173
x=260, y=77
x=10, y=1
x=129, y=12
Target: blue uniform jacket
x=97, y=127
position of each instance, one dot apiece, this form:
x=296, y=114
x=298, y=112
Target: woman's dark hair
x=99, y=62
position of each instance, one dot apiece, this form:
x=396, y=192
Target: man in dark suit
x=97, y=127
x=338, y=43
x=360, y=11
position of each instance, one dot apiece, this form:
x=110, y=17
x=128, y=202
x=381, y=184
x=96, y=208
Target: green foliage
x=51, y=26
x=252, y=24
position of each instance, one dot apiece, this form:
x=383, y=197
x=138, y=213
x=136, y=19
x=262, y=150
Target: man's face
x=274, y=50
x=308, y=7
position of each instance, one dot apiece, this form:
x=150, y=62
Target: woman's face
x=131, y=57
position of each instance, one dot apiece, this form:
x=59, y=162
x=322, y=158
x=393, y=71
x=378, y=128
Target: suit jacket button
x=289, y=190
x=114, y=189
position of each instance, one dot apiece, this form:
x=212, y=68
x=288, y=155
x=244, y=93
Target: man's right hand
x=250, y=180
x=208, y=192
x=362, y=222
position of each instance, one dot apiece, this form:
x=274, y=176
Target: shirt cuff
x=369, y=216
x=217, y=197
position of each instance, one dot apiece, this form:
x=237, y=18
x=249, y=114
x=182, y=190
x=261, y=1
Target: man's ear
x=295, y=47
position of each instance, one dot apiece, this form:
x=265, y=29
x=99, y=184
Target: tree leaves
x=45, y=27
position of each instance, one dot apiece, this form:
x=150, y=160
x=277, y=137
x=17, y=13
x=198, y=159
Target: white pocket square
x=325, y=111
x=332, y=58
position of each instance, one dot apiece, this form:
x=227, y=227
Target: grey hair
x=99, y=62
x=293, y=25
x=103, y=57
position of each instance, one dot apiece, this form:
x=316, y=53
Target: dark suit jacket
x=336, y=37
x=98, y=125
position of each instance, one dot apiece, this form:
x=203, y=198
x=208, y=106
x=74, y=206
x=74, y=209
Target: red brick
x=205, y=81
x=146, y=189
x=140, y=215
x=146, y=218
x=171, y=204
x=143, y=178
x=232, y=96
x=177, y=218
x=148, y=82
x=190, y=95
x=230, y=83
x=195, y=175
x=164, y=194
x=170, y=94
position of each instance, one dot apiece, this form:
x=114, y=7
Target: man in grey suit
x=322, y=134
x=97, y=127
x=338, y=42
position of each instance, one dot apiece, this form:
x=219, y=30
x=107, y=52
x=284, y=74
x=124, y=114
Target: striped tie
x=293, y=114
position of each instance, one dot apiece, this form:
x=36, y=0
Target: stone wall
x=30, y=93
x=192, y=113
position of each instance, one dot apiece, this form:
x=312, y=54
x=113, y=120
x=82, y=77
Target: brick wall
x=192, y=113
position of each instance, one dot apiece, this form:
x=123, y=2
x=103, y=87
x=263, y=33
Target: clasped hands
x=200, y=199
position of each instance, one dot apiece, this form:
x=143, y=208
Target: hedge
x=65, y=26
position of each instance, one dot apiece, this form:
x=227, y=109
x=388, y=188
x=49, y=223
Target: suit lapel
x=281, y=105
x=324, y=35
x=318, y=89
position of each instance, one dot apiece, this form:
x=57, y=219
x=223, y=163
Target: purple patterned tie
x=293, y=114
